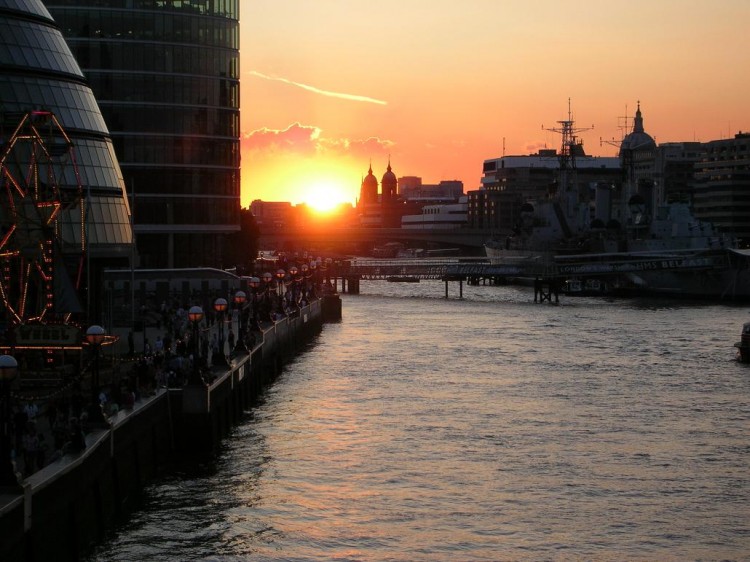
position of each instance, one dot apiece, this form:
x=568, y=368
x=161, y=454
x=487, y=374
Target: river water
x=486, y=428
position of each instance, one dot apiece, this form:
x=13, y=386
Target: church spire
x=638, y=121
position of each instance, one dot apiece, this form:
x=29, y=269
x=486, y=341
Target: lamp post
x=240, y=297
x=305, y=276
x=8, y=371
x=220, y=306
x=293, y=272
x=315, y=275
x=195, y=315
x=95, y=336
x=254, y=284
x=280, y=274
x=267, y=307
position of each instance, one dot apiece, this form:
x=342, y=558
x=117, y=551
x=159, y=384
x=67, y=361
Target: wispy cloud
x=298, y=139
x=340, y=95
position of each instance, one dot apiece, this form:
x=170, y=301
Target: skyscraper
x=64, y=212
x=166, y=76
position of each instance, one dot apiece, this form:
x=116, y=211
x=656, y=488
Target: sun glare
x=324, y=196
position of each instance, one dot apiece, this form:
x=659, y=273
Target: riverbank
x=57, y=512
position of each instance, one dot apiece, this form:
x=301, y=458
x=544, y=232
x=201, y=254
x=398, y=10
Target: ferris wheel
x=40, y=189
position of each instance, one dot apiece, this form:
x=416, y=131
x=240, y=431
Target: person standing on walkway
x=30, y=448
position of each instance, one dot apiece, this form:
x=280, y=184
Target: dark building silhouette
x=389, y=200
x=166, y=76
x=368, y=194
x=721, y=185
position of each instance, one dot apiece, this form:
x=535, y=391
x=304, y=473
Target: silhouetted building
x=389, y=201
x=638, y=156
x=166, y=75
x=368, y=204
x=411, y=188
x=721, y=187
x=673, y=170
x=272, y=215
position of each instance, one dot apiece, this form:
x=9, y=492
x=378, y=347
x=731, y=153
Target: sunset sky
x=439, y=86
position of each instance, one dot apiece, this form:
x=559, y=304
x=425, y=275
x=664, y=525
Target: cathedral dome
x=638, y=140
x=370, y=180
x=389, y=178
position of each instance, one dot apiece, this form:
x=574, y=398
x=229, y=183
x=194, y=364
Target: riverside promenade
x=59, y=511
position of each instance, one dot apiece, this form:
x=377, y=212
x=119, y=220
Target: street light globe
x=267, y=277
x=195, y=314
x=280, y=274
x=293, y=271
x=95, y=335
x=240, y=297
x=8, y=367
x=255, y=282
x=220, y=304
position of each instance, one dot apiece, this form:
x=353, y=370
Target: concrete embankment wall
x=68, y=505
x=208, y=413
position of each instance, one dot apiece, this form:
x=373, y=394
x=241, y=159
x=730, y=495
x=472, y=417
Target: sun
x=324, y=196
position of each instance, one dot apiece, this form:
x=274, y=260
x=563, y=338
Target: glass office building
x=166, y=76
x=72, y=168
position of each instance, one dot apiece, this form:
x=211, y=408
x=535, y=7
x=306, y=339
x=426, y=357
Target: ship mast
x=568, y=131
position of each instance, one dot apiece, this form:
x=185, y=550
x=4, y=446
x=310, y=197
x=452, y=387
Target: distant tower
x=637, y=154
x=389, y=186
x=389, y=183
x=368, y=194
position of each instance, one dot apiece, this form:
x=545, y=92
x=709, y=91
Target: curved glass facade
x=39, y=73
x=166, y=77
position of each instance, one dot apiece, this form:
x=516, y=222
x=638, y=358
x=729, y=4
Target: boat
x=388, y=250
x=743, y=346
x=625, y=237
x=402, y=279
x=576, y=287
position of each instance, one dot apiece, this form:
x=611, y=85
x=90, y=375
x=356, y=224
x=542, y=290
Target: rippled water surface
x=488, y=428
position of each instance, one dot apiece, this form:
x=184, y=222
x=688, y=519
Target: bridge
x=443, y=269
x=561, y=267
x=345, y=238
x=549, y=274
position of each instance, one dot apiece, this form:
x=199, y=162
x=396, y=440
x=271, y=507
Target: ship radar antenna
x=623, y=124
x=568, y=130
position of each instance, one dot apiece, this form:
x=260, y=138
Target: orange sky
x=329, y=85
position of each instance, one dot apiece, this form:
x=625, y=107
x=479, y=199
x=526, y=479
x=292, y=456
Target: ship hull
x=722, y=274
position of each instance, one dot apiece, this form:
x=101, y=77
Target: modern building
x=721, y=185
x=166, y=76
x=674, y=168
x=441, y=216
x=58, y=166
x=272, y=215
x=411, y=188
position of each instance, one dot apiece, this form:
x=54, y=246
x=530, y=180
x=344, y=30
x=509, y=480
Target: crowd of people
x=46, y=430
